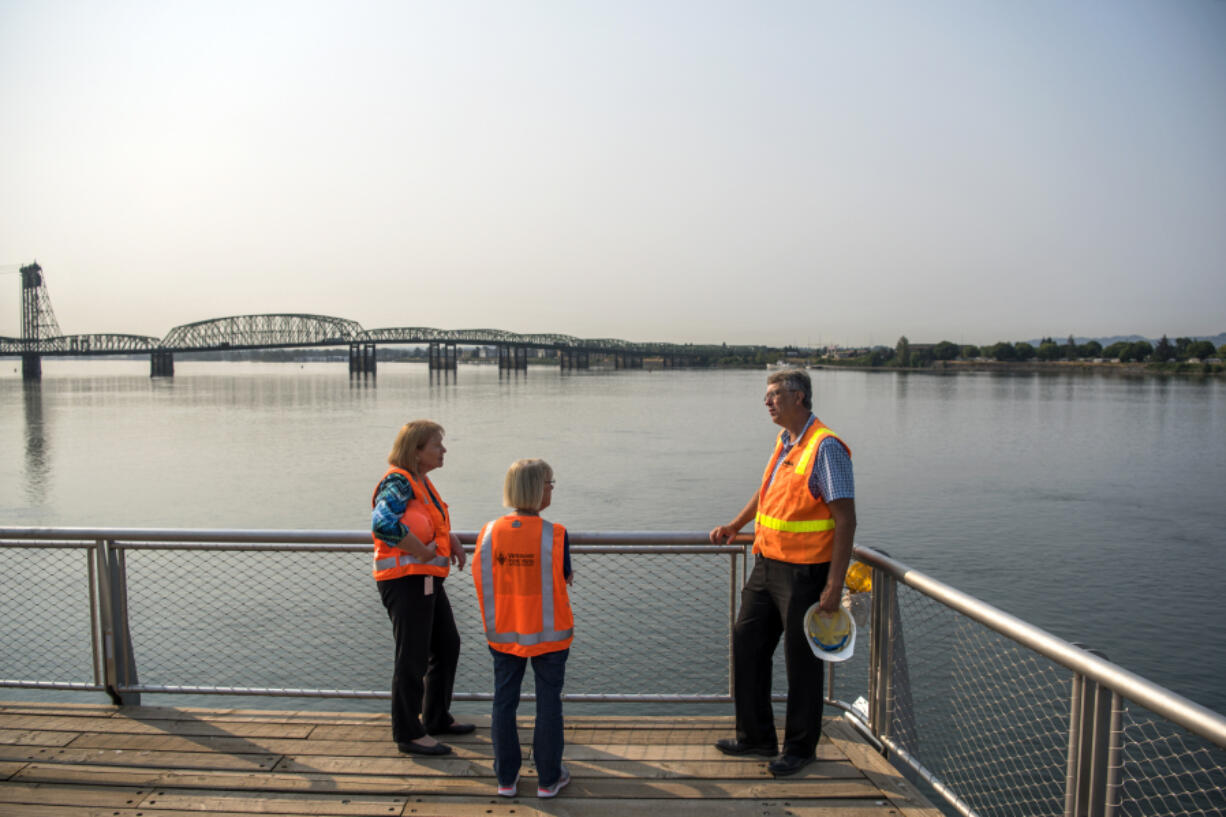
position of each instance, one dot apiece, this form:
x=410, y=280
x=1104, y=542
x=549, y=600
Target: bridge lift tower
x=38, y=321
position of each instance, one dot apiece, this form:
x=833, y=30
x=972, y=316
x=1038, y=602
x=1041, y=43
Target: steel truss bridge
x=41, y=337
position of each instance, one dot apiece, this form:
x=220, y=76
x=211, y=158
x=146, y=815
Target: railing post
x=880, y=656
x=1092, y=780
x=1111, y=800
x=731, y=623
x=119, y=661
x=1076, y=692
x=95, y=629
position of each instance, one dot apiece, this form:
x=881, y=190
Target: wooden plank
x=897, y=789
x=313, y=803
x=801, y=785
x=106, y=796
x=234, y=807
x=358, y=749
x=652, y=752
x=272, y=746
x=656, y=734
x=33, y=810
x=481, y=719
x=33, y=737
x=54, y=708
x=568, y=806
x=173, y=713
x=153, y=726
x=725, y=768
x=10, y=768
x=140, y=757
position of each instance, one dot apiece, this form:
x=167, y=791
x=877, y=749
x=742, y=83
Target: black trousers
x=427, y=652
x=773, y=603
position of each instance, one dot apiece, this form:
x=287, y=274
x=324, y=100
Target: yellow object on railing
x=859, y=578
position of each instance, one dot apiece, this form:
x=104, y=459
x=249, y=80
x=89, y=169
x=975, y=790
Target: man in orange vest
x=804, y=517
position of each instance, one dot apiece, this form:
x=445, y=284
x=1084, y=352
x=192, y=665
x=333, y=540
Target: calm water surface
x=1088, y=504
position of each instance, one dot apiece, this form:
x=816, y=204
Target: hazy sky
x=751, y=172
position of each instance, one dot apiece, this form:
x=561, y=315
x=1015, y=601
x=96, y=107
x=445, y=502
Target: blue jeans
x=547, y=741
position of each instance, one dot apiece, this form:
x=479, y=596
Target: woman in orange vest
x=414, y=548
x=521, y=569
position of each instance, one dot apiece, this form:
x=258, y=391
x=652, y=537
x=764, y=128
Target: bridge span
x=41, y=337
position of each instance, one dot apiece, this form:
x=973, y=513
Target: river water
x=1087, y=504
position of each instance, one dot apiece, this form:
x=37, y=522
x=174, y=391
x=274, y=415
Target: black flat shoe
x=788, y=764
x=732, y=746
x=455, y=728
x=418, y=749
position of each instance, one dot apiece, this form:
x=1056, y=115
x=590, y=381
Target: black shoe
x=454, y=728
x=732, y=746
x=788, y=764
x=418, y=749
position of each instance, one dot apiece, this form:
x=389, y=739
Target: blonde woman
x=522, y=570
x=414, y=551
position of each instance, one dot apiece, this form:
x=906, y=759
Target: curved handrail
x=1171, y=705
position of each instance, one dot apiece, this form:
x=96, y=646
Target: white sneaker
x=509, y=791
x=552, y=791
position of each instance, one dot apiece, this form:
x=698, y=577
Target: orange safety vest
x=520, y=586
x=392, y=562
x=791, y=524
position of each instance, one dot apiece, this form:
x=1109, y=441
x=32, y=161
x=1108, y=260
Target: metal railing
x=992, y=714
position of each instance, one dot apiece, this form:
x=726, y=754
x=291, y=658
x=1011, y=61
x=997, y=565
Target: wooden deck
x=73, y=760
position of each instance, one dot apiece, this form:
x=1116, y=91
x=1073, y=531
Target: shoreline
x=1031, y=367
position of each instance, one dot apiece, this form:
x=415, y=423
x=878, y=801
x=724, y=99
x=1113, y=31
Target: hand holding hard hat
x=831, y=636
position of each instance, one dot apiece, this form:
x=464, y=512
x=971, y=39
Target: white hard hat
x=831, y=636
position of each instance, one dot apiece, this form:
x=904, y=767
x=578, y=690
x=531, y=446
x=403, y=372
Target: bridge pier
x=627, y=360
x=512, y=358
x=31, y=366
x=574, y=359
x=443, y=356
x=161, y=363
x=362, y=358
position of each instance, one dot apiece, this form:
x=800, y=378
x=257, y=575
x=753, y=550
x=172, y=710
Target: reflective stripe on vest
x=803, y=463
x=803, y=526
x=407, y=559
x=547, y=633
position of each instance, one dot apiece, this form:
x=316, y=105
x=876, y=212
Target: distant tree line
x=913, y=355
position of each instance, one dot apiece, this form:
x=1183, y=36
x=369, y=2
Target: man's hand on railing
x=723, y=534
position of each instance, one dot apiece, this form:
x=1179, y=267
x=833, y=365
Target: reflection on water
x=37, y=460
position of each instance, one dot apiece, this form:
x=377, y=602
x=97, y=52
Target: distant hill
x=1216, y=340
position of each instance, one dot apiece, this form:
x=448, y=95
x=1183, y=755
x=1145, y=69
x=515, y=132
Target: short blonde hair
x=411, y=439
x=524, y=487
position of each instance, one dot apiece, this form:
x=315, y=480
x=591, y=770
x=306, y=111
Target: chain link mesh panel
x=990, y=718
x=277, y=620
x=44, y=607
x=289, y=620
x=1167, y=770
